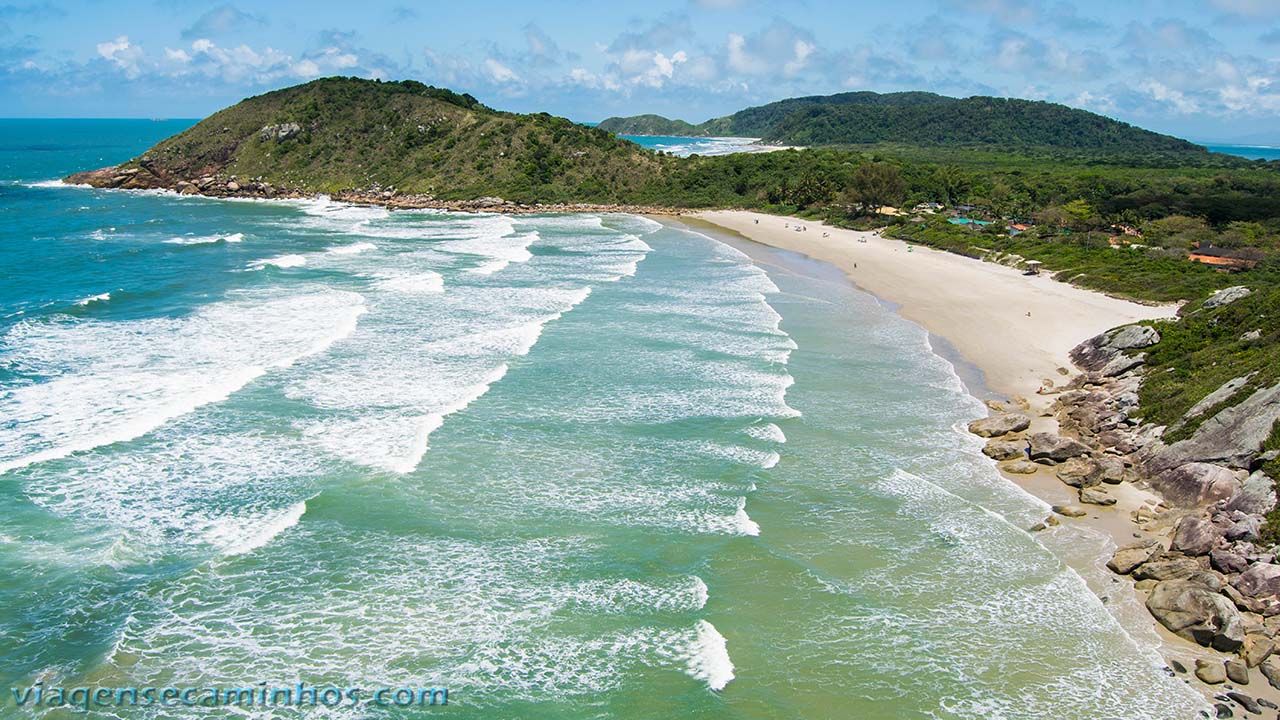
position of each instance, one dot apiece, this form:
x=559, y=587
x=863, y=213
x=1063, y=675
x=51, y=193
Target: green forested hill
x=342, y=133
x=973, y=121
x=917, y=118
x=650, y=125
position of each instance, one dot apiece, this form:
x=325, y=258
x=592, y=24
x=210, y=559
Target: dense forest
x=917, y=118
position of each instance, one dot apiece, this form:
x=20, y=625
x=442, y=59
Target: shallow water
x=565, y=466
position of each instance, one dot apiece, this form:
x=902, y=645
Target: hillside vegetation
x=342, y=133
x=917, y=118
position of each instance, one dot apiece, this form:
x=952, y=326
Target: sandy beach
x=1016, y=329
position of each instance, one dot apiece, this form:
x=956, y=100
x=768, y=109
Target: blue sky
x=1207, y=69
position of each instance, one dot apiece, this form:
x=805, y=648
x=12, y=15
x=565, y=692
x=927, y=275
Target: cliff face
x=341, y=134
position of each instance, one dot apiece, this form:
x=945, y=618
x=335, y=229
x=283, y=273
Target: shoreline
x=914, y=289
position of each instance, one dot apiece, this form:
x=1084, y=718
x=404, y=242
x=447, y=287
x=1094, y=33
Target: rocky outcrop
x=1197, y=613
x=1092, y=496
x=1211, y=400
x=1020, y=467
x=1256, y=497
x=1129, y=557
x=1108, y=354
x=279, y=132
x=1080, y=472
x=1225, y=296
x=147, y=176
x=1195, y=535
x=1211, y=672
x=1233, y=437
x=1005, y=450
x=1001, y=424
x=1261, y=580
x=1195, y=484
x=1051, y=449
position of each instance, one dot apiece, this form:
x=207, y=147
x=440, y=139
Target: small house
x=1221, y=259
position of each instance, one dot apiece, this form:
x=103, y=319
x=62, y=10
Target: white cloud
x=500, y=73
x=122, y=54
x=1169, y=96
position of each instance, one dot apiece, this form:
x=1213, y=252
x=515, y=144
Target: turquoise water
x=565, y=466
x=1252, y=152
x=686, y=146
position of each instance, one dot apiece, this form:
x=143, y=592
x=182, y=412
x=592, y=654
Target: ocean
x=564, y=466
x=1252, y=152
x=685, y=146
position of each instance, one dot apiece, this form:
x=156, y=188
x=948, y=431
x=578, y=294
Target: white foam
x=101, y=297
x=238, y=536
x=105, y=382
x=424, y=281
x=51, y=184
x=396, y=441
x=708, y=658
x=768, y=431
x=205, y=239
x=280, y=261
x=352, y=249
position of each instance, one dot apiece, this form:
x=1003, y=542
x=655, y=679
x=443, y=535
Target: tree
x=951, y=183
x=873, y=185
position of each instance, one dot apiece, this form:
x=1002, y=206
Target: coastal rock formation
x=1195, y=483
x=1050, y=449
x=1080, y=472
x=1091, y=496
x=1211, y=672
x=1261, y=580
x=1020, y=467
x=1005, y=450
x=1225, y=296
x=998, y=425
x=1107, y=354
x=1195, y=535
x=1197, y=613
x=1256, y=497
x=1233, y=437
x=1129, y=557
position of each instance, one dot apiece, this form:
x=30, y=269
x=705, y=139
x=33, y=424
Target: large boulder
x=1211, y=672
x=1226, y=561
x=1256, y=497
x=1226, y=296
x=1020, y=467
x=1259, y=581
x=1050, y=449
x=1132, y=555
x=1005, y=450
x=1107, y=354
x=1080, y=472
x=1195, y=484
x=1257, y=648
x=1195, y=612
x=1112, y=469
x=1093, y=496
x=1271, y=671
x=1213, y=399
x=1195, y=535
x=1001, y=424
x=1178, y=568
x=1233, y=437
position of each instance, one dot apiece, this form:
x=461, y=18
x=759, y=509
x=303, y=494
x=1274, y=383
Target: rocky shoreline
x=147, y=176
x=1200, y=561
